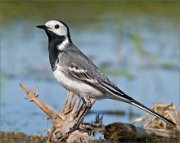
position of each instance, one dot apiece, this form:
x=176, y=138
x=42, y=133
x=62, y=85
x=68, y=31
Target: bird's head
x=55, y=28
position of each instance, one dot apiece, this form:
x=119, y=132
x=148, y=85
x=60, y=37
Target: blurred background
x=135, y=43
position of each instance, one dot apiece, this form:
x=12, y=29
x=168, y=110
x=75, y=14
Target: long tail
x=141, y=106
x=120, y=95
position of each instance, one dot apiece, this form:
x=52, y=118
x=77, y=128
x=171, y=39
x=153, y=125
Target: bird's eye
x=56, y=26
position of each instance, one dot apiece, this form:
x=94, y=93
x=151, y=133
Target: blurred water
x=140, y=56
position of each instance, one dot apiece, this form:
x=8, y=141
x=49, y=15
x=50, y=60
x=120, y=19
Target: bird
x=78, y=74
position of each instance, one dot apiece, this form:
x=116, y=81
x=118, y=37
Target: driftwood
x=128, y=132
x=166, y=110
x=63, y=122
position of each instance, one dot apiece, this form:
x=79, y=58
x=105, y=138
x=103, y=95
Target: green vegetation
x=13, y=137
x=21, y=137
x=85, y=11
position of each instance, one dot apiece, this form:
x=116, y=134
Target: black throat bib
x=54, y=41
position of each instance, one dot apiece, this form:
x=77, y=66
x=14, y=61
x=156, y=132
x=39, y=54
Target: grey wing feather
x=82, y=68
x=74, y=58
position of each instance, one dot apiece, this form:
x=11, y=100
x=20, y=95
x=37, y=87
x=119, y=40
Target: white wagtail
x=78, y=74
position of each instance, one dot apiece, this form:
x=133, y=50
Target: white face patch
x=57, y=27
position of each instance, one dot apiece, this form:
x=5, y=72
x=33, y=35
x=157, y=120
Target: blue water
x=136, y=49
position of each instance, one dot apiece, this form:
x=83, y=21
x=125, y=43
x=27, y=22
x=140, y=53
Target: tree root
x=63, y=122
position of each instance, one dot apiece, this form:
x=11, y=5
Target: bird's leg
x=85, y=110
x=87, y=104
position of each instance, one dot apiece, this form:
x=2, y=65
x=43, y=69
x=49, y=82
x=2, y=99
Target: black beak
x=41, y=26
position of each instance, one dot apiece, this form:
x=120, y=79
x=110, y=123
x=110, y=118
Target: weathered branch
x=123, y=131
x=62, y=122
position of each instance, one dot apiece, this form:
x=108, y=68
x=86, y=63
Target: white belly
x=77, y=87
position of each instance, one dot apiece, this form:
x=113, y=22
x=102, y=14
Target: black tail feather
x=120, y=95
x=141, y=106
